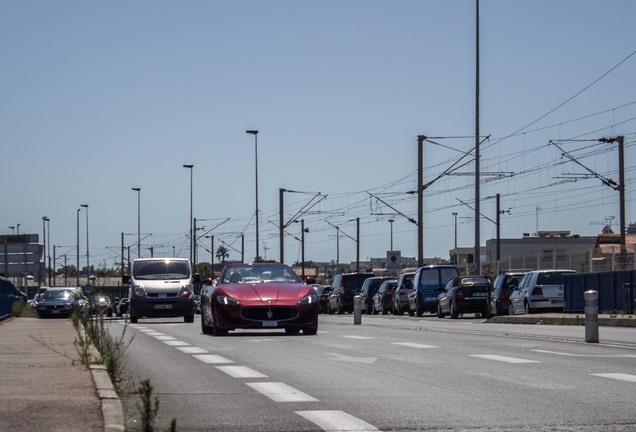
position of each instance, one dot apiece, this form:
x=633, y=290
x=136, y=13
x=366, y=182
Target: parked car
x=259, y=296
x=503, y=286
x=383, y=298
x=197, y=304
x=323, y=293
x=538, y=290
x=428, y=282
x=344, y=287
x=123, y=306
x=400, y=299
x=58, y=303
x=465, y=294
x=33, y=303
x=100, y=303
x=369, y=288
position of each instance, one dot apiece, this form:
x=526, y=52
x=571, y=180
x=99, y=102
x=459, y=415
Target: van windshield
x=161, y=269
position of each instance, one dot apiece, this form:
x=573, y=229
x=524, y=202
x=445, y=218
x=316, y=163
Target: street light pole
x=138, y=190
x=391, y=222
x=88, y=265
x=190, y=167
x=255, y=133
x=77, y=248
x=44, y=219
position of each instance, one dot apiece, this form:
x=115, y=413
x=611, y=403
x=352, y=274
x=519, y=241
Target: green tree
x=222, y=253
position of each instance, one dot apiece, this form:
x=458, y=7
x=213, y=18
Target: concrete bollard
x=357, y=310
x=591, y=316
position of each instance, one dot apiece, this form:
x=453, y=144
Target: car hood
x=270, y=293
x=54, y=302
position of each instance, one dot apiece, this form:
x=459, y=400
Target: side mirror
x=125, y=279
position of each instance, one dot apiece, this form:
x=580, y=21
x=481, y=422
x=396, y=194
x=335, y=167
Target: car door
x=444, y=297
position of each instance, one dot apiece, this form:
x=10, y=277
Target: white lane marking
x=155, y=333
x=192, y=350
x=164, y=338
x=587, y=355
x=211, y=358
x=176, y=343
x=241, y=372
x=414, y=345
x=336, y=421
x=617, y=376
x=281, y=392
x=143, y=329
x=357, y=337
x=346, y=358
x=503, y=358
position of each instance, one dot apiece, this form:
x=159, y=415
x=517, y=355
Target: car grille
x=269, y=313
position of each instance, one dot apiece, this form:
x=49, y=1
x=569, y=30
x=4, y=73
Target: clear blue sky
x=100, y=97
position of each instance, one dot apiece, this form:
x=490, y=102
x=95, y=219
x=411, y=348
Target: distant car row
x=442, y=291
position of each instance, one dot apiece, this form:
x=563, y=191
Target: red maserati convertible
x=259, y=296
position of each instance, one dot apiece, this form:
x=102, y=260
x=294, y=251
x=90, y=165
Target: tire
x=216, y=329
x=206, y=329
x=419, y=311
x=384, y=309
x=440, y=314
x=188, y=318
x=411, y=312
x=310, y=331
x=527, y=308
x=134, y=319
x=511, y=309
x=339, y=309
x=454, y=313
x=486, y=314
x=373, y=310
x=328, y=309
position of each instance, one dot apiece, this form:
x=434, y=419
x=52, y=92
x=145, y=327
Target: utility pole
x=420, y=200
x=477, y=252
x=281, y=225
x=357, y=244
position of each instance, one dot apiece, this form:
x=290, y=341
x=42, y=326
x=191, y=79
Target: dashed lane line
x=241, y=372
x=503, y=358
x=617, y=376
x=281, y=392
x=176, y=343
x=357, y=337
x=587, y=355
x=211, y=358
x=336, y=421
x=414, y=345
x=192, y=350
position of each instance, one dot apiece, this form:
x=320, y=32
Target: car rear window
x=354, y=281
x=553, y=278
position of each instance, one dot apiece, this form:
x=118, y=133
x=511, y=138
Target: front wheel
x=206, y=329
x=511, y=309
x=527, y=307
x=454, y=313
x=134, y=319
x=440, y=314
x=310, y=331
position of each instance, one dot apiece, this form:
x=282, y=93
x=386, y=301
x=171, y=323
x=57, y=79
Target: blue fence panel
x=573, y=289
x=616, y=291
x=8, y=294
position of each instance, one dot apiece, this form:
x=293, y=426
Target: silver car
x=538, y=290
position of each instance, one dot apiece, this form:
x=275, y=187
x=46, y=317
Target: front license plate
x=480, y=294
x=55, y=311
x=430, y=298
x=270, y=323
x=163, y=306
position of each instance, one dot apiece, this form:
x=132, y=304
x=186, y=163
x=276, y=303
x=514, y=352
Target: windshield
x=259, y=273
x=57, y=295
x=161, y=269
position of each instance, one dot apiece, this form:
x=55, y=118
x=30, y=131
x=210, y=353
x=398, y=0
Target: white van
x=161, y=287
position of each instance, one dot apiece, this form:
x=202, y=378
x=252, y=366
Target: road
x=390, y=374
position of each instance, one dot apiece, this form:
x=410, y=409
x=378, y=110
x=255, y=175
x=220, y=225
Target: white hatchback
x=538, y=290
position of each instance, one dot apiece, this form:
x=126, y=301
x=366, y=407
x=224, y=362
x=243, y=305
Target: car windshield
x=161, y=269
x=249, y=273
x=57, y=295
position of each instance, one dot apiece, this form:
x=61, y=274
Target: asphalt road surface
x=390, y=374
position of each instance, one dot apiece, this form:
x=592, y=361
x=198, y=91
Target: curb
x=112, y=408
x=578, y=320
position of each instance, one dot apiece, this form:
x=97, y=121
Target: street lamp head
x=391, y=220
x=84, y=205
x=44, y=218
x=137, y=189
x=252, y=131
x=188, y=165
x=454, y=213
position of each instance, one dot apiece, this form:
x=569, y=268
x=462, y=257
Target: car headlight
x=185, y=292
x=139, y=291
x=226, y=300
x=309, y=299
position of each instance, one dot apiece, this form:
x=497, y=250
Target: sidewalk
x=43, y=385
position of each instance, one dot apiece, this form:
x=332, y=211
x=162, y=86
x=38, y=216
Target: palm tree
x=221, y=253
